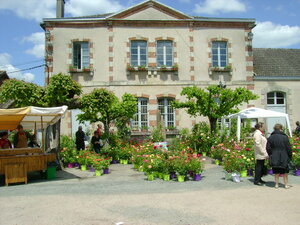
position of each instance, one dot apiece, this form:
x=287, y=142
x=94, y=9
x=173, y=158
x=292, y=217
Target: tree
x=214, y=102
x=22, y=93
x=61, y=90
x=102, y=105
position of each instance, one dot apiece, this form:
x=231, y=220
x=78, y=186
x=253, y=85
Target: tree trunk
x=213, y=124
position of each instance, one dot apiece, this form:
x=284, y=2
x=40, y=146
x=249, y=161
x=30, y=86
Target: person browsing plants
x=280, y=151
x=260, y=152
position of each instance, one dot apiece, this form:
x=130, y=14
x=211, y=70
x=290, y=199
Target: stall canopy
x=30, y=117
x=253, y=112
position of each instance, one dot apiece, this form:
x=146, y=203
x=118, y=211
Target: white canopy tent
x=252, y=113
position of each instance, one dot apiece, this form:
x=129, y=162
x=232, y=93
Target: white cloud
x=38, y=41
x=39, y=9
x=90, y=7
x=5, y=64
x=270, y=35
x=30, y=9
x=219, y=6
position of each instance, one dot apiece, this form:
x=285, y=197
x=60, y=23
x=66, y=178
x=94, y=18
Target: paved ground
x=76, y=197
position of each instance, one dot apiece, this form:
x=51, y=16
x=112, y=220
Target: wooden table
x=16, y=163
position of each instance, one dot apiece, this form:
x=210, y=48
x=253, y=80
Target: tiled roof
x=276, y=62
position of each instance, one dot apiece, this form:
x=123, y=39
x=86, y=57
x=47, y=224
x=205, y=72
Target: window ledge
x=220, y=70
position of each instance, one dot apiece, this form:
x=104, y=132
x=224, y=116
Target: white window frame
x=219, y=54
x=137, y=121
x=164, y=53
x=166, y=105
x=83, y=55
x=139, y=53
x=275, y=97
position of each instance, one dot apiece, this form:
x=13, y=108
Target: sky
x=22, y=38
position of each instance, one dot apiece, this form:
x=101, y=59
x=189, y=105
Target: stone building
x=153, y=51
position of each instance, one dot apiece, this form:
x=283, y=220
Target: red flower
x=247, y=149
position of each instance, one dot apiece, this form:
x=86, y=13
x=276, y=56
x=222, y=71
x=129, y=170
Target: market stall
x=253, y=113
x=16, y=162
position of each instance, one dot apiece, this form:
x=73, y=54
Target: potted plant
x=72, y=68
x=174, y=67
x=130, y=68
x=163, y=68
x=142, y=68
x=196, y=166
x=98, y=165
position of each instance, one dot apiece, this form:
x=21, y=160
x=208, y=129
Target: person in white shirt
x=260, y=152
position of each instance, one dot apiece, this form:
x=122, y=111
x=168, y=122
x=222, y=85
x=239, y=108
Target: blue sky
x=22, y=39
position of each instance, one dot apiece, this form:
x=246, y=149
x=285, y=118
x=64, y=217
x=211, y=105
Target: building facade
x=152, y=51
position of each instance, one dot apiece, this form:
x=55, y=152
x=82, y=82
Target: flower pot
x=70, y=165
x=76, y=165
x=297, y=172
x=203, y=154
x=98, y=173
x=83, y=167
x=180, y=178
x=217, y=162
x=173, y=175
x=244, y=173
x=141, y=169
x=125, y=161
x=106, y=171
x=197, y=177
x=236, y=177
x=114, y=161
x=250, y=172
x=89, y=166
x=166, y=177
x=92, y=169
x=228, y=176
x=160, y=175
x=150, y=177
x=270, y=172
x=121, y=161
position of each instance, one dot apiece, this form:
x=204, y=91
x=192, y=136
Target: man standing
x=297, y=131
x=80, y=139
x=260, y=152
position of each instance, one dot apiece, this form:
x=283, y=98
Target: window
x=164, y=53
x=275, y=98
x=219, y=54
x=81, y=55
x=138, y=53
x=140, y=119
x=167, y=111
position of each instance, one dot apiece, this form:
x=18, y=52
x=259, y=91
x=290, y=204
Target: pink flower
x=149, y=166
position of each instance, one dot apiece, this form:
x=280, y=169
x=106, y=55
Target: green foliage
x=214, y=102
x=23, y=93
x=61, y=90
x=102, y=105
x=67, y=142
x=158, y=133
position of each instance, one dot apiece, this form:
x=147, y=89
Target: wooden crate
x=15, y=172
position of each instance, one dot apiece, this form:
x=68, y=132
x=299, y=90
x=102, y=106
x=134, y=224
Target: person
x=260, y=152
x=96, y=142
x=80, y=136
x=21, y=138
x=280, y=152
x=99, y=130
x=4, y=142
x=297, y=131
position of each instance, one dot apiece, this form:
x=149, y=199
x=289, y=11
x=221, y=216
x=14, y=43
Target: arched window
x=167, y=111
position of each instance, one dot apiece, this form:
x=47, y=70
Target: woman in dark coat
x=280, y=153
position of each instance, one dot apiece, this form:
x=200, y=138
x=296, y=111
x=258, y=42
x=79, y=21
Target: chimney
x=60, y=8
